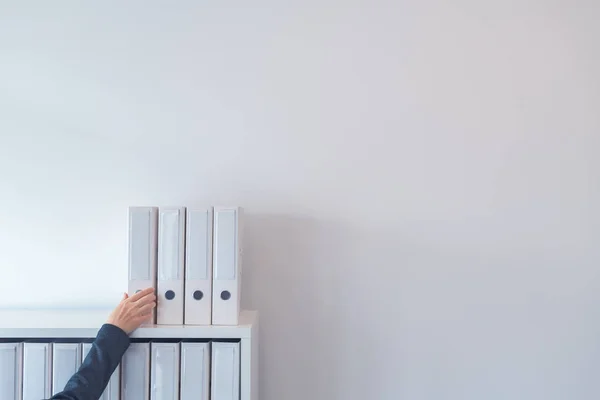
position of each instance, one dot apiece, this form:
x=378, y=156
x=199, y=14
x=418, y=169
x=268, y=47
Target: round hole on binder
x=198, y=295
x=169, y=295
x=225, y=295
x=137, y=291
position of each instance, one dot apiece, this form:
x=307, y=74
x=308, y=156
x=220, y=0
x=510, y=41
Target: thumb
x=125, y=296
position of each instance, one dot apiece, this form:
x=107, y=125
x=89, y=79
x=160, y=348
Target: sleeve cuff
x=119, y=340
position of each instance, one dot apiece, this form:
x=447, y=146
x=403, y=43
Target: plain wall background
x=420, y=178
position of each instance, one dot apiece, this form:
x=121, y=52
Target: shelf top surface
x=84, y=323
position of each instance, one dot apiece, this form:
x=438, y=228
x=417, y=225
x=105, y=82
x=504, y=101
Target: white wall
x=421, y=178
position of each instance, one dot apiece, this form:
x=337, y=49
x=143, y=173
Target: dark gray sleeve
x=89, y=382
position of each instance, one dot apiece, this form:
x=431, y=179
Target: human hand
x=133, y=311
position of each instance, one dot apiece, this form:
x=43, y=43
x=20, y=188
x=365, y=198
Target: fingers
x=142, y=293
x=134, y=310
x=143, y=318
x=147, y=308
x=149, y=299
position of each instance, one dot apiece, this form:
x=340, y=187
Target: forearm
x=93, y=376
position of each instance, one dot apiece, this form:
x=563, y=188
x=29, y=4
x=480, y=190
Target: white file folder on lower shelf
x=164, y=371
x=114, y=384
x=66, y=360
x=171, y=261
x=227, y=265
x=135, y=372
x=11, y=371
x=37, y=371
x=143, y=242
x=195, y=371
x=225, y=374
x=198, y=266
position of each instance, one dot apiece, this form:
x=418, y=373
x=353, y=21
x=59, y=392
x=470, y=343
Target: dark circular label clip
x=225, y=295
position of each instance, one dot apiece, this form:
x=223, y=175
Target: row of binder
x=192, y=256
x=148, y=371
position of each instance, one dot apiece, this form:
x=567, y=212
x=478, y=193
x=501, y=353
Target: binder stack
x=152, y=370
x=192, y=257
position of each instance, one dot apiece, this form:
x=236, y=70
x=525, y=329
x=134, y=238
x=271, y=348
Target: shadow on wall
x=303, y=276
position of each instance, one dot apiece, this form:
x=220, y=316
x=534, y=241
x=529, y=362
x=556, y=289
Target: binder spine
x=171, y=261
x=198, y=267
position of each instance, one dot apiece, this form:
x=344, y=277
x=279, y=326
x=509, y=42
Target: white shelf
x=48, y=324
x=76, y=323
